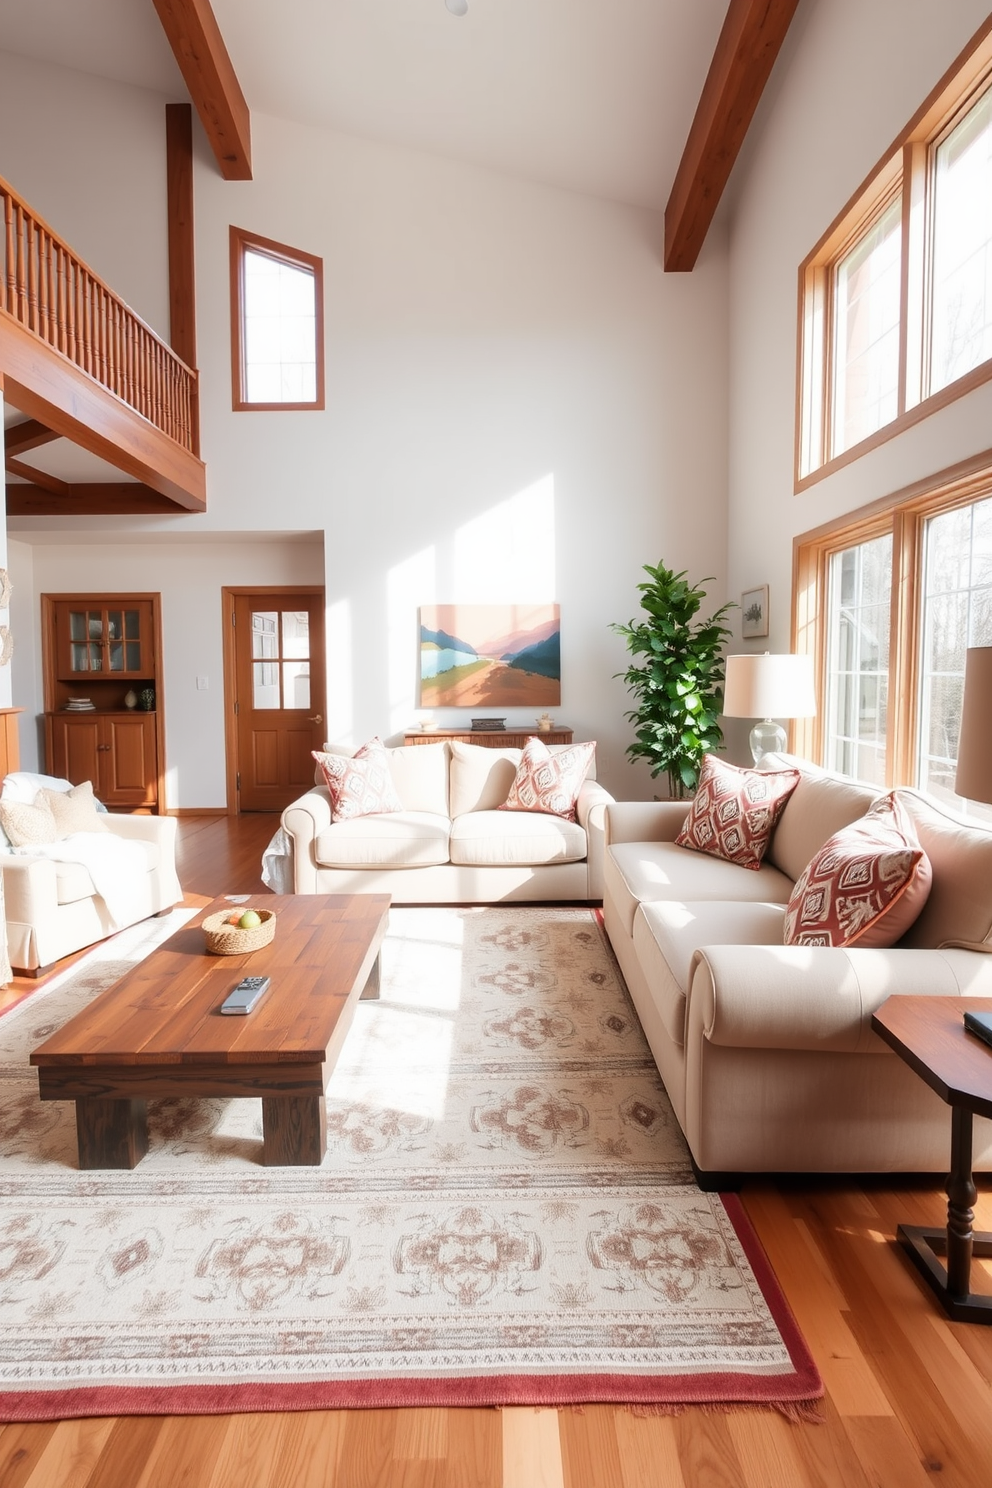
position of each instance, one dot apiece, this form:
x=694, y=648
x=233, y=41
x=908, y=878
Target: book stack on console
x=488, y=725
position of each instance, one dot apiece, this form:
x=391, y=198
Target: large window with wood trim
x=888, y=604
x=277, y=325
x=896, y=298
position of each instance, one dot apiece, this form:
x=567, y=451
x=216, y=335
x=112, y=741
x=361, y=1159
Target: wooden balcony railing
x=48, y=290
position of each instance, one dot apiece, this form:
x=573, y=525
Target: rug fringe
x=798, y=1412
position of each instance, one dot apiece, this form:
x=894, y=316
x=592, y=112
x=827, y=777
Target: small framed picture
x=754, y=612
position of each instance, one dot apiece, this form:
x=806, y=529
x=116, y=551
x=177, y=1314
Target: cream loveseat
x=766, y=1050
x=450, y=844
x=52, y=905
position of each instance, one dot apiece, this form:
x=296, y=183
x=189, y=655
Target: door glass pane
x=77, y=625
x=265, y=684
x=962, y=248
x=859, y=591
x=132, y=625
x=296, y=684
x=866, y=332
x=117, y=656
x=133, y=650
x=265, y=634
x=95, y=656
x=115, y=624
x=957, y=613
x=296, y=634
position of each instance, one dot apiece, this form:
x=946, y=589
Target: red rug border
x=800, y=1388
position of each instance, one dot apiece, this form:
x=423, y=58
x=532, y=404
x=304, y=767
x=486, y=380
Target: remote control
x=980, y=1024
x=245, y=995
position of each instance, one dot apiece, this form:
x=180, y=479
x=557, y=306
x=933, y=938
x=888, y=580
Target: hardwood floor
x=909, y=1395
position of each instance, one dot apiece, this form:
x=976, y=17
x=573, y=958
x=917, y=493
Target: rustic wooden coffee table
x=929, y=1034
x=159, y=1031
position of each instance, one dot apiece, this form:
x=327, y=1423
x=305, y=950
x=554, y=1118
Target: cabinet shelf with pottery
x=103, y=708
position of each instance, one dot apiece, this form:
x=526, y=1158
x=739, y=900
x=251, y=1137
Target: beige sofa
x=53, y=909
x=766, y=1050
x=450, y=844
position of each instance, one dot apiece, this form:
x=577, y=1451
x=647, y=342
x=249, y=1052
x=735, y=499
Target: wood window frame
x=906, y=165
x=240, y=241
x=905, y=515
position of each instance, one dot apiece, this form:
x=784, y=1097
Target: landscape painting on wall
x=474, y=656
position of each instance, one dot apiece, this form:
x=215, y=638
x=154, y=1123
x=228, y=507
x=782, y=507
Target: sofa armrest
x=645, y=821
x=158, y=829
x=303, y=821
x=30, y=889
x=815, y=997
x=590, y=808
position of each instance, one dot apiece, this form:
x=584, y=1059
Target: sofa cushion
x=28, y=826
x=547, y=782
x=480, y=778
x=361, y=785
x=959, y=909
x=820, y=805
x=734, y=811
x=649, y=871
x=74, y=810
x=486, y=839
x=668, y=934
x=73, y=882
x=420, y=775
x=398, y=839
x=865, y=886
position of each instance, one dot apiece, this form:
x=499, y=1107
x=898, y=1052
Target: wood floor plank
x=185, y=1452
x=475, y=1449
x=888, y=1457
x=765, y=1445
x=70, y=1455
x=307, y=1453
x=706, y=1451
x=367, y=1450
x=126, y=1452
x=817, y=1300
x=421, y=1436
x=532, y=1450
x=589, y=1448
x=648, y=1450
x=21, y=1448
x=827, y=1453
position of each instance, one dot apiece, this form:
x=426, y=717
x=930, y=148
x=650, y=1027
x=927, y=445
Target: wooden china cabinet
x=101, y=648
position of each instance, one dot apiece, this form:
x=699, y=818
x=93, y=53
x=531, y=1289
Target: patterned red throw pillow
x=549, y=782
x=734, y=811
x=865, y=886
x=362, y=785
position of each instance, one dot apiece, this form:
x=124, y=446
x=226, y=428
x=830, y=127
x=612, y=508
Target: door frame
x=229, y=593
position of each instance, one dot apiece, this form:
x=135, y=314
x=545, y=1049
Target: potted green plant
x=677, y=678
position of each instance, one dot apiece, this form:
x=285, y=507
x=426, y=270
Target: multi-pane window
x=962, y=248
x=957, y=613
x=857, y=670
x=896, y=298
x=277, y=325
x=888, y=605
x=280, y=649
x=866, y=332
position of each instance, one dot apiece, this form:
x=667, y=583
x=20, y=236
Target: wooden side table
x=929, y=1034
x=490, y=739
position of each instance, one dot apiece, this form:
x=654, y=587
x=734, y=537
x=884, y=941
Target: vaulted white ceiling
x=591, y=95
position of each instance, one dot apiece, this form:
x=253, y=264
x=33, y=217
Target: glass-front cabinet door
x=103, y=642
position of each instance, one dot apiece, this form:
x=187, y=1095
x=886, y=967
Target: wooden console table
x=490, y=739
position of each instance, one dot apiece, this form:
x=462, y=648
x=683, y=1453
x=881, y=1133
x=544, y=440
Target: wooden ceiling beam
x=50, y=483
x=89, y=499
x=207, y=69
x=20, y=438
x=752, y=36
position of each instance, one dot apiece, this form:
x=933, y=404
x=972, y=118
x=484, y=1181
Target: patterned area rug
x=506, y=1212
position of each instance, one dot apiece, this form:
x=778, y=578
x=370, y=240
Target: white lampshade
x=760, y=685
x=974, y=773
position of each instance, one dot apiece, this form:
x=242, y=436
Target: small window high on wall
x=896, y=298
x=277, y=325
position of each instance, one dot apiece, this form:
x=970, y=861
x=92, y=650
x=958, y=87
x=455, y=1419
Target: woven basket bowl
x=225, y=939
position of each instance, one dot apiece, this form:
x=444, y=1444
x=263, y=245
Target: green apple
x=250, y=919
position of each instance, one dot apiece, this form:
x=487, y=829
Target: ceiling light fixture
x=457, y=7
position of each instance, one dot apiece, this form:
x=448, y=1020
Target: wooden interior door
x=278, y=703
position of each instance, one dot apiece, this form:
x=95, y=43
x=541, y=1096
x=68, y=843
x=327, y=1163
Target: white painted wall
x=857, y=74
x=520, y=404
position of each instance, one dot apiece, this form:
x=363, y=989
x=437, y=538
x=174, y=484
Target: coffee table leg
x=371, y=988
x=294, y=1128
x=111, y=1133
